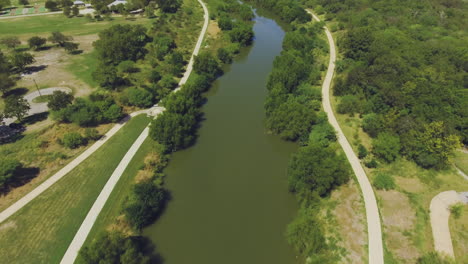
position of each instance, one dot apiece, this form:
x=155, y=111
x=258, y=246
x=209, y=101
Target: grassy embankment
x=404, y=210
x=42, y=230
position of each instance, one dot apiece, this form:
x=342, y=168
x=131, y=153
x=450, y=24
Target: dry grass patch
x=459, y=232
x=398, y=221
x=351, y=222
x=213, y=29
x=411, y=185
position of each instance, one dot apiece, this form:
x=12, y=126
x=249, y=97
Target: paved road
x=440, y=213
x=91, y=217
x=374, y=232
x=40, y=14
x=37, y=108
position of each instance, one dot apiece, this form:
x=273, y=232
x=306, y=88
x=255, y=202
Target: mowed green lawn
x=42, y=230
x=43, y=25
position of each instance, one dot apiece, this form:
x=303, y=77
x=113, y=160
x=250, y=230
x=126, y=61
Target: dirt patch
x=121, y=225
x=213, y=29
x=7, y=225
x=398, y=221
x=412, y=185
x=349, y=214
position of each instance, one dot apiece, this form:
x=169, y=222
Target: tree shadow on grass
x=17, y=91
x=33, y=69
x=32, y=119
x=76, y=52
x=20, y=178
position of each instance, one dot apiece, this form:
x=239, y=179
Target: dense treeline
x=404, y=70
x=288, y=10
x=293, y=111
x=291, y=99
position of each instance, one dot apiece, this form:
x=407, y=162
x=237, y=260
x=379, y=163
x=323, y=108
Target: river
x=230, y=202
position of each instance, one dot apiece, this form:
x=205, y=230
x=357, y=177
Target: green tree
x=372, y=124
x=23, y=2
x=121, y=42
x=316, y=169
x=11, y=42
x=16, y=106
x=145, y=204
x=75, y=10
x=59, y=38
x=169, y=6
x=206, y=64
x=4, y=3
x=6, y=80
x=435, y=145
x=20, y=60
x=175, y=131
x=59, y=100
x=224, y=55
x=386, y=146
x=36, y=42
x=67, y=11
x=70, y=47
x=242, y=33
x=51, y=5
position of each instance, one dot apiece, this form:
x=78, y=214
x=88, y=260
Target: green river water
x=230, y=202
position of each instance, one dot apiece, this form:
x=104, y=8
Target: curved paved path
x=374, y=232
x=440, y=213
x=37, y=108
x=91, y=217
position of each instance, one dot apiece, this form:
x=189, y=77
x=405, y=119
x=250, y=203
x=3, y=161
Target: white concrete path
x=440, y=213
x=40, y=14
x=91, y=217
x=374, y=232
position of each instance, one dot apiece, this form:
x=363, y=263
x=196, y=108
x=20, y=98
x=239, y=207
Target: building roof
x=78, y=2
x=117, y=2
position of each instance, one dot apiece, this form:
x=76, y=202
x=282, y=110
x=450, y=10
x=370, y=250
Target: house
x=78, y=3
x=117, y=2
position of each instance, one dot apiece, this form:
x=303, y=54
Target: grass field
x=42, y=230
x=83, y=67
x=44, y=25
x=459, y=233
x=113, y=206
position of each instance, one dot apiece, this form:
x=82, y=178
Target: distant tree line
x=404, y=71
x=288, y=10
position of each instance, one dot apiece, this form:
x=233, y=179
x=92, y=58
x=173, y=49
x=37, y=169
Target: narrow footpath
x=374, y=231
x=83, y=232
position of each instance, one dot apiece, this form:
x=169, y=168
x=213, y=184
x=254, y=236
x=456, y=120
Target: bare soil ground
x=213, y=29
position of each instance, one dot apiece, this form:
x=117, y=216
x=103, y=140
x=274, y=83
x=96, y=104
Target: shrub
x=92, y=134
x=224, y=55
x=116, y=248
x=175, y=131
x=139, y=97
x=126, y=67
x=372, y=124
x=433, y=258
x=371, y=163
x=362, y=151
x=384, y=181
x=206, y=64
x=349, y=104
x=73, y=140
x=51, y=5
x=36, y=42
x=146, y=203
x=456, y=210
x=387, y=147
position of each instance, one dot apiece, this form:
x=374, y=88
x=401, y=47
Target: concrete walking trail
x=83, y=232
x=440, y=213
x=374, y=231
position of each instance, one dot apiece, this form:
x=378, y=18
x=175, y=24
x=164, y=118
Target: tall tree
x=20, y=60
x=16, y=106
x=36, y=42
